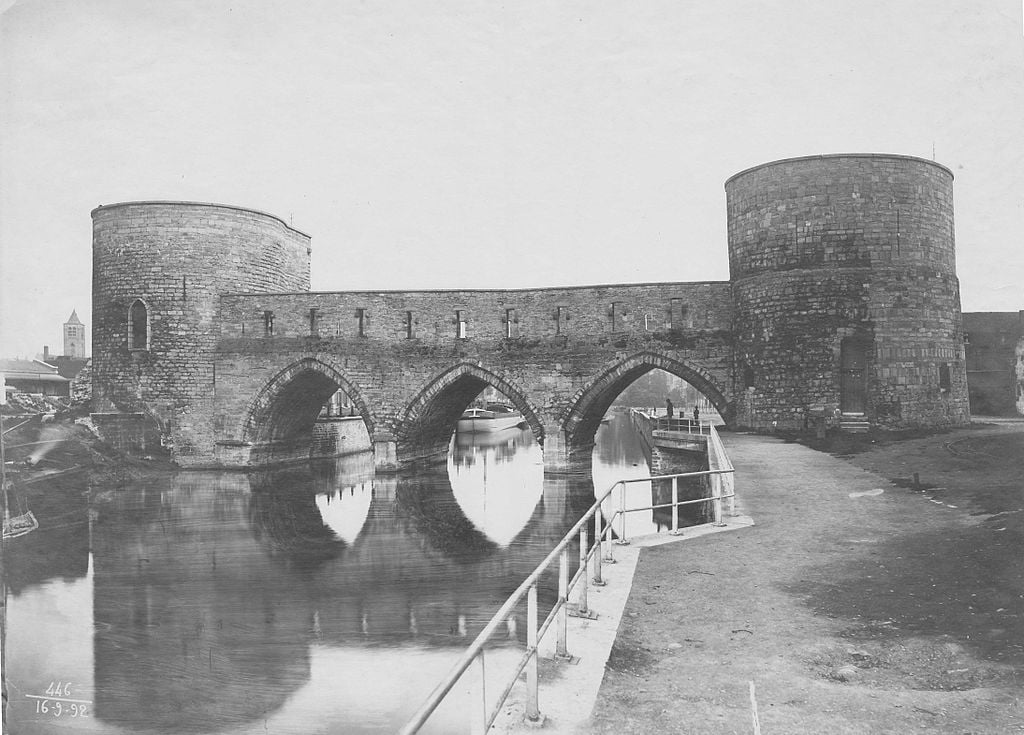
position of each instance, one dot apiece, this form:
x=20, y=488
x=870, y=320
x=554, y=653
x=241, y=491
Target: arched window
x=138, y=326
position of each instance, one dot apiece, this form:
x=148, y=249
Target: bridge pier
x=561, y=456
x=556, y=450
x=385, y=453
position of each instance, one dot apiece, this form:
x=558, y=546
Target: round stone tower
x=159, y=269
x=846, y=300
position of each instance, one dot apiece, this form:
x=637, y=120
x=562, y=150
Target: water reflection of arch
x=432, y=414
x=285, y=519
x=504, y=444
x=426, y=503
x=396, y=580
x=280, y=417
x=289, y=521
x=194, y=615
x=584, y=417
x=497, y=478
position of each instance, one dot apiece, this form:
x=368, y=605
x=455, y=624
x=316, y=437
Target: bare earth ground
x=850, y=610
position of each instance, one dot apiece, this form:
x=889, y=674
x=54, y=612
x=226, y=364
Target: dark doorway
x=853, y=385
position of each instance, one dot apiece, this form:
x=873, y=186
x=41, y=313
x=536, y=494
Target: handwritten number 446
x=59, y=689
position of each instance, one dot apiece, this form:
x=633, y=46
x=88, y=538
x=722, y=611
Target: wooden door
x=853, y=376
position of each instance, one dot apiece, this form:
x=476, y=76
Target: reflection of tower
x=74, y=336
x=196, y=615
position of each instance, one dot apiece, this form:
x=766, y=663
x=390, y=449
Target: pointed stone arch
x=590, y=404
x=306, y=384
x=428, y=415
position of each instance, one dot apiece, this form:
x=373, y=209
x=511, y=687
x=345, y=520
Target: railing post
x=532, y=702
x=582, y=609
x=716, y=493
x=609, y=547
x=599, y=550
x=561, y=650
x=675, y=506
x=622, y=514
x=478, y=724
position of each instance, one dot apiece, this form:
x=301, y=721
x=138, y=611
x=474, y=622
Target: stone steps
x=854, y=424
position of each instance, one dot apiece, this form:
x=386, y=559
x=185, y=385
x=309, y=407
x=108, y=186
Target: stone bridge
x=561, y=356
x=842, y=305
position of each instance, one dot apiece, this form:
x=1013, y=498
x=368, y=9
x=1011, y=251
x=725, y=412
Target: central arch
x=584, y=417
x=424, y=428
x=279, y=419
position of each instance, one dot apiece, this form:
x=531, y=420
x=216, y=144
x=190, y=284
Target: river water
x=312, y=599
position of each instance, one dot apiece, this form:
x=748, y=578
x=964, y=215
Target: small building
x=991, y=340
x=34, y=376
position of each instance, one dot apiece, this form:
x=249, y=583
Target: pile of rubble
x=24, y=404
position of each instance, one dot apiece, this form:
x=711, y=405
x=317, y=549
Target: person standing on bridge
x=668, y=407
x=696, y=414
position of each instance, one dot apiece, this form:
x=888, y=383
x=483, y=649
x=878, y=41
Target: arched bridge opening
x=424, y=432
x=307, y=410
x=586, y=415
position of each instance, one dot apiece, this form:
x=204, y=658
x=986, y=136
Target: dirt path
x=851, y=610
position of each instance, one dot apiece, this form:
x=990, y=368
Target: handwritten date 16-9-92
x=57, y=701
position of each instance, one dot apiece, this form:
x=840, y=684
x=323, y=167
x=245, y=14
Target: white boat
x=494, y=417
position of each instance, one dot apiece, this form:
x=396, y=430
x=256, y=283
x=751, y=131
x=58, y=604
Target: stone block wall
x=337, y=436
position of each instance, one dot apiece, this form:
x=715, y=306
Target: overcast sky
x=440, y=144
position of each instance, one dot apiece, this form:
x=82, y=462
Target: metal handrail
x=528, y=587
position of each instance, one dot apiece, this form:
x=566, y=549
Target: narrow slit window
x=678, y=313
x=615, y=314
x=511, y=324
x=944, y=379
x=561, y=317
x=138, y=326
x=460, y=324
x=410, y=328
x=361, y=322
x=268, y=323
x=314, y=322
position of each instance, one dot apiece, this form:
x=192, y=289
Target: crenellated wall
x=570, y=313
